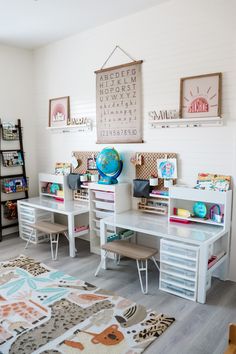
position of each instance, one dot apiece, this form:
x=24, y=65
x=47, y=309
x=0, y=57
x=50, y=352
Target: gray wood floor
x=199, y=329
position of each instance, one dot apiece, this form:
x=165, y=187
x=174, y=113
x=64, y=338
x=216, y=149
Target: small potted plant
x=94, y=178
x=84, y=177
x=168, y=183
x=153, y=180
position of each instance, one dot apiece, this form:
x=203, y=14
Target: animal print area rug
x=43, y=310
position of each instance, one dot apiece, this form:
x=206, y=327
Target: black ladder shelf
x=12, y=196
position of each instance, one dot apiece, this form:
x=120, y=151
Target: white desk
x=196, y=234
x=68, y=208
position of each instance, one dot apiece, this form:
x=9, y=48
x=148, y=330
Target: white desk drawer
x=26, y=210
x=174, y=280
x=103, y=205
x=26, y=231
x=102, y=214
x=109, y=227
x=177, y=261
x=187, y=294
x=179, y=272
x=32, y=218
x=31, y=211
x=179, y=249
x=104, y=195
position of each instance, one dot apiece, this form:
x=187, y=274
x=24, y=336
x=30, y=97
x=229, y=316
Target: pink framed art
x=59, y=111
x=200, y=96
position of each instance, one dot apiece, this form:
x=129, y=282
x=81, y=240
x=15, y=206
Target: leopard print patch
x=26, y=263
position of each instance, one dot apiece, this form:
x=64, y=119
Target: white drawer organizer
x=182, y=264
x=47, y=179
x=179, y=268
x=105, y=201
x=27, y=217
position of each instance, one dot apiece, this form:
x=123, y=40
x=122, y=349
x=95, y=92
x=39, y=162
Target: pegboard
x=149, y=166
x=82, y=158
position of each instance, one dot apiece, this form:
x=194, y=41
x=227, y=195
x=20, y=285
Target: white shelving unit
x=104, y=201
x=186, y=123
x=184, y=198
x=64, y=193
x=72, y=128
x=180, y=264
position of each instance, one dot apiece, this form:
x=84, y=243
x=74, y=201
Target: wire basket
x=10, y=210
x=10, y=132
x=12, y=158
x=14, y=185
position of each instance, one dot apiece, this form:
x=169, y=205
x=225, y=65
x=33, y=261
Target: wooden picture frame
x=59, y=111
x=200, y=96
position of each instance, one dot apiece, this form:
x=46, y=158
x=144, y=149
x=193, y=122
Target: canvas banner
x=118, y=104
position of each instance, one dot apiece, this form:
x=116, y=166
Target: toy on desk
x=54, y=187
x=182, y=212
x=200, y=210
x=215, y=213
x=109, y=165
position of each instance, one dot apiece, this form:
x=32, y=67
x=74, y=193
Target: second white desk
x=201, y=236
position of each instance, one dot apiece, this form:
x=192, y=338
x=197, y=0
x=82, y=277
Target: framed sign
x=167, y=168
x=59, y=111
x=118, y=104
x=200, y=96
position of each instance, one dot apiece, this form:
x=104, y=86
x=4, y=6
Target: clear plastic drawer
x=187, y=284
x=181, y=272
x=180, y=250
x=177, y=261
x=173, y=289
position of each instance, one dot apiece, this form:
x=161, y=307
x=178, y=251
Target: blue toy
x=200, y=210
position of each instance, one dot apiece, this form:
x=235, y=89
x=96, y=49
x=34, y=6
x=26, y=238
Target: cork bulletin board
x=82, y=158
x=118, y=104
x=149, y=166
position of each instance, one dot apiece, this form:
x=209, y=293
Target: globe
x=109, y=165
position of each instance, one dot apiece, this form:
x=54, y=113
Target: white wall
x=16, y=97
x=175, y=39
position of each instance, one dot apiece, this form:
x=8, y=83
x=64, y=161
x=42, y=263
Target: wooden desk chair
x=231, y=349
x=53, y=230
x=131, y=250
